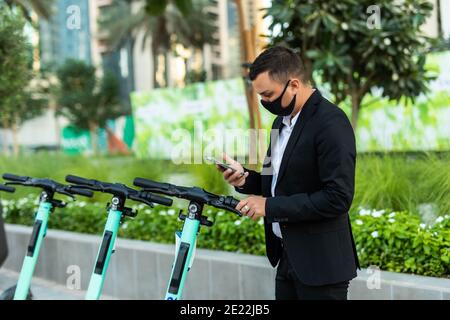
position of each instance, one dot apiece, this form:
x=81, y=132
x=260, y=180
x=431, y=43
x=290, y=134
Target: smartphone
x=222, y=165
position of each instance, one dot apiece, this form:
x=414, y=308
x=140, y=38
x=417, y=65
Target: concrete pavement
x=43, y=289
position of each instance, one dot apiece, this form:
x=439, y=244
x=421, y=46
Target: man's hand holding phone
x=232, y=171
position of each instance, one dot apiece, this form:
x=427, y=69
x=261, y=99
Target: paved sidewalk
x=43, y=289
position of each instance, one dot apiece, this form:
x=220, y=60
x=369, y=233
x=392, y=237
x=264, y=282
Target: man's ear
x=296, y=83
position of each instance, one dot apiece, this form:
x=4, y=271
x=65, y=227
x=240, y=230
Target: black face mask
x=275, y=106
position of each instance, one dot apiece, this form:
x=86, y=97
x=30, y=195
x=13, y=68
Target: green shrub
x=394, y=241
x=399, y=242
x=156, y=224
x=403, y=183
x=387, y=181
x=433, y=183
x=403, y=244
x=57, y=165
x=112, y=169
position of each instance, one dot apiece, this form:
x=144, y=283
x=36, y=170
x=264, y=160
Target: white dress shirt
x=277, y=156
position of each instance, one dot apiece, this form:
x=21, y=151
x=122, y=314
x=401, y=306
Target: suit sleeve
x=336, y=156
x=252, y=184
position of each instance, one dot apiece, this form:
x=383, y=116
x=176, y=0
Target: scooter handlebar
x=13, y=177
x=82, y=192
x=79, y=180
x=7, y=188
x=150, y=184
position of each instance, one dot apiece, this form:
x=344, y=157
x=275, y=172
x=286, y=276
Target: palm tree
x=166, y=23
x=41, y=7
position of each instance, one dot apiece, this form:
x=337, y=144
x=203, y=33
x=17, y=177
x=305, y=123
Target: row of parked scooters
x=149, y=193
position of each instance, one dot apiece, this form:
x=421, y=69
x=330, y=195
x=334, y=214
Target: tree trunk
x=115, y=144
x=5, y=143
x=252, y=152
x=309, y=70
x=356, y=102
x=15, y=136
x=248, y=54
x=155, y=66
x=5, y=146
x=439, y=20
x=94, y=137
x=167, y=70
x=54, y=106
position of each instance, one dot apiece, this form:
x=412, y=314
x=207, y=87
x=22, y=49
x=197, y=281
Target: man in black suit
x=306, y=187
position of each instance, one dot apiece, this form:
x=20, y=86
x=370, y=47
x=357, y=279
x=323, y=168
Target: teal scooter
x=186, y=240
x=47, y=204
x=3, y=243
x=116, y=212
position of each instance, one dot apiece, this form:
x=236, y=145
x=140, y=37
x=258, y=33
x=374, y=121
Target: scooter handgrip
x=150, y=184
x=13, y=177
x=82, y=192
x=161, y=200
x=7, y=188
x=78, y=180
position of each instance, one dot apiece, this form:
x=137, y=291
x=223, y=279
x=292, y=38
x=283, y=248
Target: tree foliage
x=85, y=99
x=20, y=100
x=355, y=46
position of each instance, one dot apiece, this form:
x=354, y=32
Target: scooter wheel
x=8, y=294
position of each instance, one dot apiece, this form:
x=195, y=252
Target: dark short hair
x=281, y=62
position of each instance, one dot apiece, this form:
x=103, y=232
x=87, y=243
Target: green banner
x=170, y=119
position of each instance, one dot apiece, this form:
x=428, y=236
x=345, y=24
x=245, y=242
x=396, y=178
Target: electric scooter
x=116, y=212
x=186, y=240
x=47, y=204
x=3, y=243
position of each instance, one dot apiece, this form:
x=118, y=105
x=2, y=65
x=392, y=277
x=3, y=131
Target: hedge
x=393, y=241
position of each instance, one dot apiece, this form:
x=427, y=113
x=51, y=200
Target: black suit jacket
x=313, y=194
